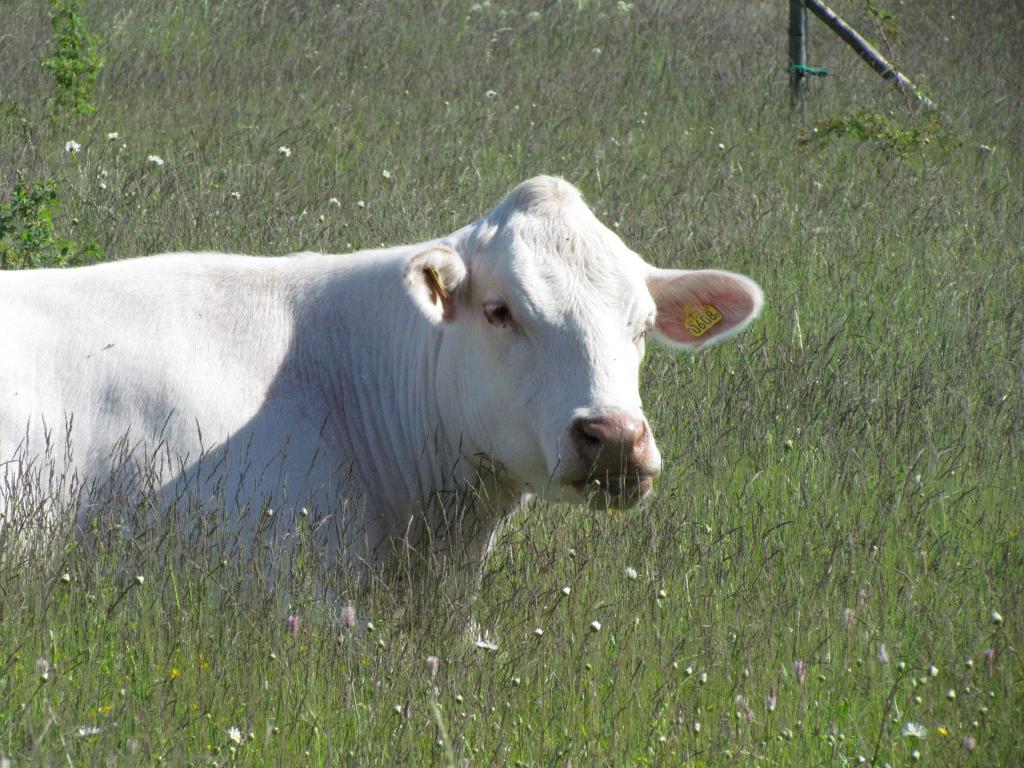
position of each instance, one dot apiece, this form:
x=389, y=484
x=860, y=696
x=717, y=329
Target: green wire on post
x=816, y=71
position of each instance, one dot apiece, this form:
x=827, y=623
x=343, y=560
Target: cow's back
x=231, y=382
x=146, y=349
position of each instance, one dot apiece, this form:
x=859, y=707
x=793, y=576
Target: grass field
x=833, y=555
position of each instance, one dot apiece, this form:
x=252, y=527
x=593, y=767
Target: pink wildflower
x=800, y=670
x=292, y=623
x=348, y=616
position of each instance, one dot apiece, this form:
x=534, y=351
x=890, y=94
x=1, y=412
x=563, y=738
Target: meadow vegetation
x=830, y=569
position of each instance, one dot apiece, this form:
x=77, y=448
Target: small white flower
x=113, y=136
x=486, y=645
x=595, y=51
x=951, y=694
x=538, y=631
x=155, y=159
x=386, y=173
x=566, y=591
x=933, y=671
x=140, y=580
x=997, y=618
x=236, y=195
x=696, y=727
x=630, y=573
x=284, y=151
x=914, y=730
x=87, y=730
x=721, y=147
x=66, y=578
x=361, y=204
x=490, y=94
x=595, y=626
x=335, y=202
x=235, y=735
x=72, y=146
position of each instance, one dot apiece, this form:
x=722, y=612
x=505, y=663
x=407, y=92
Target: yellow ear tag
x=702, y=320
x=435, y=282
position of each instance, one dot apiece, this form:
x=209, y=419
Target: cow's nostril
x=610, y=441
x=589, y=438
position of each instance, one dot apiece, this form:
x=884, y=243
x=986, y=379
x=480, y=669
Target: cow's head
x=543, y=314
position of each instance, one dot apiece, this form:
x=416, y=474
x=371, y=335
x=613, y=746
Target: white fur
x=339, y=382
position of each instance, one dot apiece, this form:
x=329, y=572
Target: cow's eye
x=498, y=314
x=641, y=333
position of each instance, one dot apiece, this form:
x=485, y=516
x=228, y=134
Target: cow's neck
x=366, y=352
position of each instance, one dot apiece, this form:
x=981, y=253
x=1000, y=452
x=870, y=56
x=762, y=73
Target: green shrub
x=76, y=62
x=867, y=125
x=27, y=234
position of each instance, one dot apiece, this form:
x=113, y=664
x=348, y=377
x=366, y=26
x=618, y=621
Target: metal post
x=797, y=53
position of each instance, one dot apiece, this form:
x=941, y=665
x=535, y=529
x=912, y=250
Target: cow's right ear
x=434, y=278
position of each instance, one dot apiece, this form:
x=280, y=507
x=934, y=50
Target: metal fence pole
x=797, y=53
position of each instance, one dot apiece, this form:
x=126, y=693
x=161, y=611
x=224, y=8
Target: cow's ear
x=701, y=307
x=434, y=278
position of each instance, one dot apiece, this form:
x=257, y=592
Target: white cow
x=407, y=393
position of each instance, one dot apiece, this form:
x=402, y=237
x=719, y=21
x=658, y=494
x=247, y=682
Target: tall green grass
x=844, y=476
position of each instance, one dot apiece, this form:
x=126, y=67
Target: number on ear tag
x=702, y=320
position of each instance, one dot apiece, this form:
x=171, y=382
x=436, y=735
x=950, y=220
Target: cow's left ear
x=434, y=278
x=701, y=307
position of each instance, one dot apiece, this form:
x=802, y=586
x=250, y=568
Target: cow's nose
x=611, y=442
